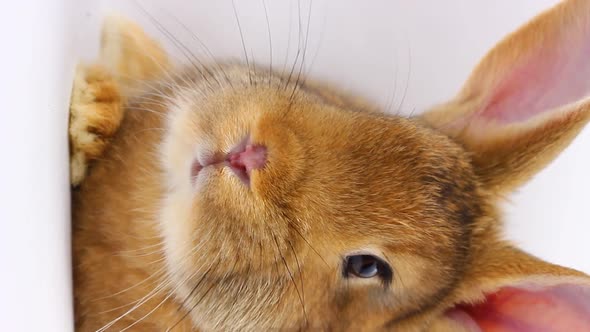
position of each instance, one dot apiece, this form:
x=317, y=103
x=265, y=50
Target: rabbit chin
x=243, y=294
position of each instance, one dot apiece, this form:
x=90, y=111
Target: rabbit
x=216, y=197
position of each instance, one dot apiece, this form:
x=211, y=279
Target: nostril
x=252, y=157
x=243, y=161
x=196, y=169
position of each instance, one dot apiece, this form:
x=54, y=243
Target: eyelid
x=370, y=252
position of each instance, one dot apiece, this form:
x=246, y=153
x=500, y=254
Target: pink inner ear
x=556, y=309
x=555, y=75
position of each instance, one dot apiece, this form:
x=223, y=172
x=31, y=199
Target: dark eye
x=367, y=266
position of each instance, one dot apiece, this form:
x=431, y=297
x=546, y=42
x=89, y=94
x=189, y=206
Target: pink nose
x=244, y=160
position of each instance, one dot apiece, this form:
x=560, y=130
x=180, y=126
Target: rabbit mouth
x=241, y=160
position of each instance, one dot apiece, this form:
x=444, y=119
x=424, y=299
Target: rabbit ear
x=509, y=290
x=525, y=102
x=130, y=54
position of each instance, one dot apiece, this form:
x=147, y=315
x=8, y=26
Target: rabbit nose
x=252, y=157
x=246, y=158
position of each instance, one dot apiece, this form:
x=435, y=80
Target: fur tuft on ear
x=524, y=102
x=511, y=291
x=128, y=59
x=130, y=54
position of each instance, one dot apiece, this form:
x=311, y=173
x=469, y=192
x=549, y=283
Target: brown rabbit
x=223, y=198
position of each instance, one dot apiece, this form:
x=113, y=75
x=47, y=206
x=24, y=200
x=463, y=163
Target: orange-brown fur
x=339, y=178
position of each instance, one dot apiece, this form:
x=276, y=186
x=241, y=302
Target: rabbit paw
x=96, y=110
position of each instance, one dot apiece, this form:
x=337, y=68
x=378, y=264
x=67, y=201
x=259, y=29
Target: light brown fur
x=340, y=177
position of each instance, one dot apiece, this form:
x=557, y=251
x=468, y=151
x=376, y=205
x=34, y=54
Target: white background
x=423, y=50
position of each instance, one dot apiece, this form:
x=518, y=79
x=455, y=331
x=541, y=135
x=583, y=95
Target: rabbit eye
x=367, y=266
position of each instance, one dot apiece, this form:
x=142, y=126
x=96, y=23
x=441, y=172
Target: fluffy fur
x=156, y=249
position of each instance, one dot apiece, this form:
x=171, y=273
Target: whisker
x=407, y=78
x=196, y=304
x=150, y=253
x=199, y=301
x=231, y=308
x=132, y=108
x=141, y=249
x=317, y=51
x=119, y=307
x=253, y=65
x=288, y=41
x=157, y=100
x=309, y=244
x=164, y=68
x=190, y=56
x=201, y=43
x=154, y=99
x=165, y=283
x=204, y=46
x=194, y=289
x=298, y=45
x=157, y=97
x=269, y=42
x=145, y=251
x=143, y=84
x=163, y=130
x=143, y=300
x=153, y=275
x=299, y=268
x=391, y=99
x=161, y=259
x=291, y=277
x=304, y=48
x=233, y=3
x=170, y=294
